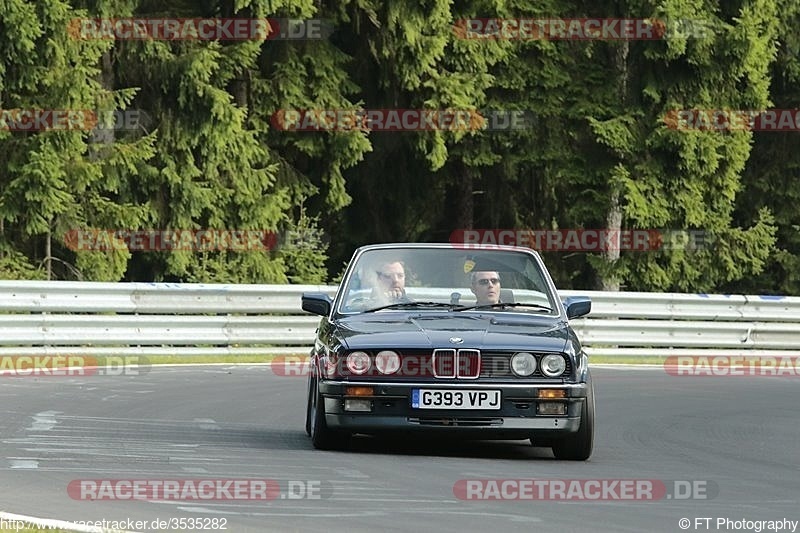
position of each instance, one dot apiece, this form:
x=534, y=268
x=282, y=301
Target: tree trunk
x=240, y=85
x=608, y=281
x=104, y=132
x=49, y=254
x=462, y=198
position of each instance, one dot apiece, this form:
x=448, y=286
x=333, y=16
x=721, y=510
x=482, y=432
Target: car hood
x=428, y=330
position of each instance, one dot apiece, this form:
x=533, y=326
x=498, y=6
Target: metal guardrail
x=38, y=318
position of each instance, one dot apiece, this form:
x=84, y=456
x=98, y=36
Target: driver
x=391, y=283
x=485, y=285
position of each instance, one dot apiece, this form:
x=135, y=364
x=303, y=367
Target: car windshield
x=449, y=279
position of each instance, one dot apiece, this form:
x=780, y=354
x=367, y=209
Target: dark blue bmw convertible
x=466, y=340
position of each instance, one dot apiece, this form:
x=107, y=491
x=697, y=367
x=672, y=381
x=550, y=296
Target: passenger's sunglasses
x=486, y=281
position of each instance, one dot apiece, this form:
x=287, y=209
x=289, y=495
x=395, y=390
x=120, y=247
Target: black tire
x=322, y=437
x=308, y=405
x=579, y=446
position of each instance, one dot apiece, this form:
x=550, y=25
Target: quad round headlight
x=358, y=362
x=387, y=362
x=553, y=365
x=523, y=364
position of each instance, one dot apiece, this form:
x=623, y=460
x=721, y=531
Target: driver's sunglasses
x=486, y=281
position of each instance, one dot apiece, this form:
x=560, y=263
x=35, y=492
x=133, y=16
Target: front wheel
x=322, y=437
x=579, y=446
x=309, y=413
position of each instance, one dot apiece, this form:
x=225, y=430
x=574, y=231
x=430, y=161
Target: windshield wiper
x=503, y=305
x=401, y=305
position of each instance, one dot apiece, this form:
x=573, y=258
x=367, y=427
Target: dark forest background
x=599, y=155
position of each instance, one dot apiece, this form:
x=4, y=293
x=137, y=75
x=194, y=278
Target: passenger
x=486, y=287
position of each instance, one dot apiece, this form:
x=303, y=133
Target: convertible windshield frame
x=354, y=294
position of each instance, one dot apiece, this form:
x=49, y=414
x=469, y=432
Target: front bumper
x=391, y=410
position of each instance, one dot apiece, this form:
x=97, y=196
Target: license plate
x=455, y=399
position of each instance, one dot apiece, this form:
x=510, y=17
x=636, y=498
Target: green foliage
x=770, y=181
x=53, y=181
x=211, y=156
x=15, y=265
x=603, y=149
x=304, y=251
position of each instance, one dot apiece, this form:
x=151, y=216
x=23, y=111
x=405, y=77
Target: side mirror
x=577, y=306
x=317, y=303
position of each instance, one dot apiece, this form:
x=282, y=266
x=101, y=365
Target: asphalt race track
x=736, y=438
